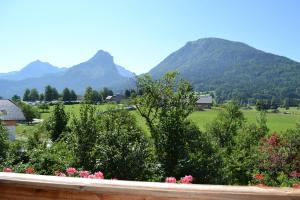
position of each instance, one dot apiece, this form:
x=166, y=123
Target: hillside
x=99, y=71
x=233, y=70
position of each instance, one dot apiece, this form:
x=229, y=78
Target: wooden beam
x=27, y=186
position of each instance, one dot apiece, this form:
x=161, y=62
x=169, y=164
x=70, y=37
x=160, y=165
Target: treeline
x=229, y=151
x=50, y=94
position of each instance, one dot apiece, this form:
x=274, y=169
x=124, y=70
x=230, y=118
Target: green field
x=276, y=122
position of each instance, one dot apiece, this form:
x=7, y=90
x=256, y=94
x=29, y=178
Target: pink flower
x=170, y=180
x=29, y=170
x=7, y=169
x=99, y=175
x=92, y=176
x=187, y=179
x=295, y=174
x=84, y=174
x=61, y=174
x=71, y=171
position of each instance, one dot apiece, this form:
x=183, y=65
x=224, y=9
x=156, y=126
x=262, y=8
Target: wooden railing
x=32, y=187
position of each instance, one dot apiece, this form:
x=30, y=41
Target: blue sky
x=139, y=33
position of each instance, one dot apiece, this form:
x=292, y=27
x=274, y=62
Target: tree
x=57, y=122
x=73, y=95
x=29, y=112
x=66, y=95
x=122, y=149
x=84, y=129
x=48, y=96
x=34, y=95
x=165, y=105
x=55, y=94
x=286, y=103
x=26, y=96
x=88, y=95
x=42, y=97
x=16, y=98
x=3, y=142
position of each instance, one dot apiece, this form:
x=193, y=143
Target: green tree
x=48, y=96
x=73, y=95
x=34, y=95
x=84, y=129
x=55, y=94
x=26, y=96
x=29, y=112
x=66, y=95
x=3, y=143
x=165, y=104
x=122, y=149
x=88, y=95
x=16, y=98
x=57, y=122
x=44, y=107
x=42, y=97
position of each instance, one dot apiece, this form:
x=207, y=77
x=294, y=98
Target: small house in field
x=114, y=99
x=10, y=114
x=204, y=102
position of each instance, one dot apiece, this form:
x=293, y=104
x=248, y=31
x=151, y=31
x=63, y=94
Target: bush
x=279, y=158
x=122, y=151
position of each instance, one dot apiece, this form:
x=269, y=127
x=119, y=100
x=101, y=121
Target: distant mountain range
x=97, y=72
x=233, y=70
x=32, y=70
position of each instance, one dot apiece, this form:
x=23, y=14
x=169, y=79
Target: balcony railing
x=32, y=187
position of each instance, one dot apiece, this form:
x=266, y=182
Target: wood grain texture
x=26, y=186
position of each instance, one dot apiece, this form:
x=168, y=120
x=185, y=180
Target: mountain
x=32, y=70
x=124, y=72
x=233, y=70
x=98, y=72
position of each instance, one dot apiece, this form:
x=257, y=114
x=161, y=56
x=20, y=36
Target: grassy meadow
x=276, y=122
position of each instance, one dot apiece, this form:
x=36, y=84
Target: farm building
x=115, y=98
x=204, y=102
x=10, y=114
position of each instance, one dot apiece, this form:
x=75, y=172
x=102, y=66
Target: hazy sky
x=139, y=33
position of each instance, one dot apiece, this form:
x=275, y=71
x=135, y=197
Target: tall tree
x=88, y=95
x=66, y=95
x=57, y=122
x=26, y=96
x=48, y=93
x=166, y=105
x=16, y=98
x=34, y=95
x=73, y=95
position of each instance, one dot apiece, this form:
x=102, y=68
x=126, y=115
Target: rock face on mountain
x=233, y=70
x=32, y=70
x=97, y=72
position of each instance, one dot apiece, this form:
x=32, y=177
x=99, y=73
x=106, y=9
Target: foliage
x=84, y=130
x=165, y=105
x=3, y=142
x=122, y=150
x=50, y=93
x=279, y=158
x=44, y=107
x=16, y=98
x=92, y=96
x=29, y=112
x=57, y=122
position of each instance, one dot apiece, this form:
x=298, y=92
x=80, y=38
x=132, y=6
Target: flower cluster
x=73, y=172
x=28, y=170
x=185, y=180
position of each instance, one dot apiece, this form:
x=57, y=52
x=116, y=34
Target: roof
x=109, y=97
x=10, y=111
x=204, y=99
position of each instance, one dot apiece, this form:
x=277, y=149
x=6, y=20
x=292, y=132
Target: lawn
x=276, y=122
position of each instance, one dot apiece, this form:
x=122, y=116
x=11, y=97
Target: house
x=204, y=102
x=115, y=98
x=10, y=114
